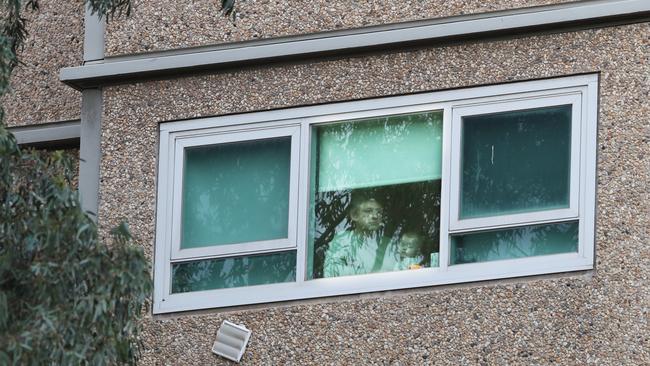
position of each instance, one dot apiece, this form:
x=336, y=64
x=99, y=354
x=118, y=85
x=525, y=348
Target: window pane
x=520, y=242
x=375, y=195
x=515, y=162
x=380, y=151
x=234, y=272
x=236, y=192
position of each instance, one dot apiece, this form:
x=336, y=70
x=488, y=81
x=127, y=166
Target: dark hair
x=361, y=196
x=415, y=233
x=422, y=243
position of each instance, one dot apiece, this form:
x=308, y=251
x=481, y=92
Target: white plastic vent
x=231, y=341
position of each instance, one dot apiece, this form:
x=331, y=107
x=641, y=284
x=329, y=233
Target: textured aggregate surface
x=600, y=318
x=161, y=25
x=55, y=41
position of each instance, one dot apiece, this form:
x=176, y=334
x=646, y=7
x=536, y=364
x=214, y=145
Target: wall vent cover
x=231, y=341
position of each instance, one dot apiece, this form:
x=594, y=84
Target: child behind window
x=410, y=252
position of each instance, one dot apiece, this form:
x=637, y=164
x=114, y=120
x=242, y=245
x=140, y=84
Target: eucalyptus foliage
x=66, y=297
x=228, y=7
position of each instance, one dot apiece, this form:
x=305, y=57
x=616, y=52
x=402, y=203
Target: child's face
x=409, y=246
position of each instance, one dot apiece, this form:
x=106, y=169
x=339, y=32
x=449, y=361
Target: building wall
x=55, y=40
x=596, y=317
x=162, y=25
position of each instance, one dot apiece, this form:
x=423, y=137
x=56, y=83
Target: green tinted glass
x=236, y=192
x=520, y=242
x=380, y=151
x=234, y=272
x=515, y=162
x=375, y=195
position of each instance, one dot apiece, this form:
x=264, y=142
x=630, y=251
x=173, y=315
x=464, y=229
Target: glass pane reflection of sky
x=515, y=162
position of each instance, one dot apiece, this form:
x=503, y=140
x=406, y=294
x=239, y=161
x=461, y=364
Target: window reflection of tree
x=410, y=206
x=331, y=216
x=234, y=272
x=407, y=207
x=515, y=243
x=242, y=197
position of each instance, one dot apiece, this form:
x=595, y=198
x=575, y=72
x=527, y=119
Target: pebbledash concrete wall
x=158, y=25
x=55, y=40
x=599, y=316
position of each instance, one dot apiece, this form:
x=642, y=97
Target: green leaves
x=4, y=312
x=13, y=29
x=228, y=7
x=65, y=297
x=109, y=8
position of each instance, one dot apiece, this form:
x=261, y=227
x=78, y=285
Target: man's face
x=409, y=246
x=368, y=216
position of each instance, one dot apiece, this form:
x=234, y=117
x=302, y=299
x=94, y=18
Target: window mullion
x=303, y=202
x=445, y=188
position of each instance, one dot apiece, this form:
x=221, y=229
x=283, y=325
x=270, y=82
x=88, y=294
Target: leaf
x=4, y=358
x=227, y=7
x=53, y=265
x=4, y=311
x=65, y=295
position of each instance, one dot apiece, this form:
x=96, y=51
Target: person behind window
x=410, y=252
x=362, y=249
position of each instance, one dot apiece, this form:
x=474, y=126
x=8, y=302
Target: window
x=382, y=194
x=376, y=192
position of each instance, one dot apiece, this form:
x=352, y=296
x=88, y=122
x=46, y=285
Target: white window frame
x=489, y=106
x=220, y=136
x=453, y=103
